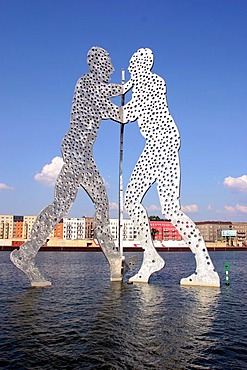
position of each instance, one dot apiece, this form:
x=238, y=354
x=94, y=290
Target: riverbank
x=125, y=249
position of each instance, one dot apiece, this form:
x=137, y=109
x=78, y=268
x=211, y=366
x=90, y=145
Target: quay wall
x=91, y=245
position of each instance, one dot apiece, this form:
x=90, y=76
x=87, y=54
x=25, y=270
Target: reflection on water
x=85, y=322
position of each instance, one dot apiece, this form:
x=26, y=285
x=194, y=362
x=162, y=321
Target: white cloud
x=153, y=207
x=190, y=208
x=242, y=209
x=5, y=187
x=229, y=209
x=113, y=205
x=237, y=208
x=50, y=172
x=236, y=183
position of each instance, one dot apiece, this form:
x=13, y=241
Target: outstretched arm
x=127, y=86
x=118, y=89
x=112, y=111
x=115, y=89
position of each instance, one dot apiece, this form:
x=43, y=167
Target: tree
x=154, y=232
x=155, y=218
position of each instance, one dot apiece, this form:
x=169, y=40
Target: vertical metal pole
x=121, y=202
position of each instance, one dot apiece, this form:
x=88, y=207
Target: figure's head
x=99, y=63
x=141, y=62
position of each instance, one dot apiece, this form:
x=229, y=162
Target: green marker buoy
x=227, y=275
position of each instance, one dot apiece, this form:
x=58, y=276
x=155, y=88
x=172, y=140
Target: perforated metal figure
x=91, y=104
x=159, y=163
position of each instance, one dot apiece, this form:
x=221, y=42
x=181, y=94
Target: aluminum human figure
x=91, y=103
x=159, y=163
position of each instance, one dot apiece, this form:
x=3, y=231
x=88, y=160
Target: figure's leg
x=24, y=258
x=93, y=184
x=136, y=189
x=168, y=190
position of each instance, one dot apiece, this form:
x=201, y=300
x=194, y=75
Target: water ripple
x=85, y=322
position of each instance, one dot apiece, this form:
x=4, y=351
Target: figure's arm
x=129, y=112
x=119, y=114
x=112, y=111
x=127, y=86
x=117, y=89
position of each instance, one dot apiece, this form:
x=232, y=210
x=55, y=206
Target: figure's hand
x=127, y=86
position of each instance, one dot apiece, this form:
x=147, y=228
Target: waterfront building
x=28, y=222
x=58, y=230
x=241, y=228
x=211, y=231
x=89, y=227
x=160, y=230
x=164, y=230
x=73, y=228
x=129, y=232
x=6, y=226
x=18, y=227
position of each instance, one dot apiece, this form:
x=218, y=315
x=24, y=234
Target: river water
x=83, y=321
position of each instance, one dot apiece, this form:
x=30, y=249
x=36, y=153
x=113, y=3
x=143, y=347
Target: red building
x=164, y=231
x=18, y=226
x=58, y=230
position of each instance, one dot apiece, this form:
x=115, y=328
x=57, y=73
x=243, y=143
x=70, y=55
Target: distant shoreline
x=127, y=249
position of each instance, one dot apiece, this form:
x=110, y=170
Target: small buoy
x=227, y=275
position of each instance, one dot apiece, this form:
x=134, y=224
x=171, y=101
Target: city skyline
x=17, y=229
x=199, y=49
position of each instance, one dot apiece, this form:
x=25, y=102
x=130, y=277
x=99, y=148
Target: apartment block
x=241, y=228
x=17, y=226
x=89, y=227
x=129, y=232
x=73, y=228
x=28, y=222
x=6, y=226
x=212, y=230
x=58, y=230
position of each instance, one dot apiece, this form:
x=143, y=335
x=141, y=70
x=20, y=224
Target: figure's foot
x=120, y=266
x=208, y=278
x=116, y=268
x=26, y=265
x=152, y=262
x=35, y=284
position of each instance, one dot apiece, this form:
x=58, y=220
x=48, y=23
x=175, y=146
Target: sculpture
x=91, y=103
x=159, y=163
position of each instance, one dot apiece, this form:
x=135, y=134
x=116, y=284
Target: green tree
x=154, y=232
x=155, y=218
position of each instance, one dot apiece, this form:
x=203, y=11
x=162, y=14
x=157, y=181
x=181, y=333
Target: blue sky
x=200, y=49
